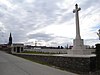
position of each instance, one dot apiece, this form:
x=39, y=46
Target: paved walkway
x=13, y=65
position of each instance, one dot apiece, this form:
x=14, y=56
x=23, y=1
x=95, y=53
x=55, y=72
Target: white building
x=17, y=48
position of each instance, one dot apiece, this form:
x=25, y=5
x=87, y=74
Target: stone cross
x=77, y=21
x=99, y=34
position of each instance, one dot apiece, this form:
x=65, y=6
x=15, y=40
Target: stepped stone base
x=79, y=48
x=80, y=52
x=78, y=44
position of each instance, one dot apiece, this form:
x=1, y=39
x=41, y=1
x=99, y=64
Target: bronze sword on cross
x=98, y=33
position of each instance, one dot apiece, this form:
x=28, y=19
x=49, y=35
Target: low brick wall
x=73, y=64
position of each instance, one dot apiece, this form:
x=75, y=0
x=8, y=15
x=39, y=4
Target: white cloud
x=49, y=17
x=29, y=1
x=7, y=3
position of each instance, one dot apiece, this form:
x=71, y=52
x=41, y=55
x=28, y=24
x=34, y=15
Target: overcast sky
x=48, y=22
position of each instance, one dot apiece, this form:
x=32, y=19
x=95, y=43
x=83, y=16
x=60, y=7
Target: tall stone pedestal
x=79, y=48
x=79, y=52
x=78, y=44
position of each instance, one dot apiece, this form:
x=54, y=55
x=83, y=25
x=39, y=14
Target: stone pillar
x=98, y=56
x=12, y=49
x=16, y=49
x=20, y=49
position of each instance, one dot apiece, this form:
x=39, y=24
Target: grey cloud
x=97, y=27
x=66, y=17
x=16, y=1
x=88, y=3
x=91, y=41
x=3, y=37
x=28, y=17
x=3, y=9
x=51, y=38
x=61, y=41
x=41, y=36
x=19, y=36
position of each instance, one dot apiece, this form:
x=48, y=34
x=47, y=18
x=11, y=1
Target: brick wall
x=73, y=64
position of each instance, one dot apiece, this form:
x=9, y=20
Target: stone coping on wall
x=73, y=55
x=61, y=55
